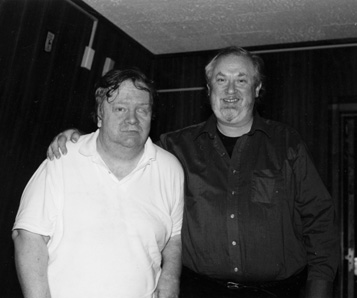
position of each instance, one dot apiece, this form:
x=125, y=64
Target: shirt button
x=235, y=269
x=232, y=215
x=233, y=192
x=234, y=172
x=234, y=243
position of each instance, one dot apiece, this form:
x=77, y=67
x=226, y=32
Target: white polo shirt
x=106, y=235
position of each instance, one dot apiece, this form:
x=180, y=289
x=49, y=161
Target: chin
x=230, y=115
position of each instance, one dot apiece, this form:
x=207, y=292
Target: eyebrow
x=241, y=74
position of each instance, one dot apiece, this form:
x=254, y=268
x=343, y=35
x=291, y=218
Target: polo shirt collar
x=89, y=148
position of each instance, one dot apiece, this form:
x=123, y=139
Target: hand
x=58, y=144
x=167, y=287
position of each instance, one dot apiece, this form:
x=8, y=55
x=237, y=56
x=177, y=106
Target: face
x=233, y=91
x=125, y=119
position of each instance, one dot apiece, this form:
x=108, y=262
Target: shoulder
x=278, y=130
x=189, y=132
x=85, y=146
x=84, y=139
x=284, y=139
x=165, y=156
x=166, y=161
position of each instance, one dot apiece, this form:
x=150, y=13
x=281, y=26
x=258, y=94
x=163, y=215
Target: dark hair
x=257, y=62
x=111, y=81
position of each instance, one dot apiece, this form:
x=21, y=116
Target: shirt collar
x=89, y=148
x=260, y=124
x=210, y=125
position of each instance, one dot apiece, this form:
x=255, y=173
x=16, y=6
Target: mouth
x=230, y=99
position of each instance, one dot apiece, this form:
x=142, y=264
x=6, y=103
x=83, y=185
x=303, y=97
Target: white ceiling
x=175, y=26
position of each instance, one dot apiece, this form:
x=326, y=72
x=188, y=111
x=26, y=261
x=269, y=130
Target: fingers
x=75, y=136
x=58, y=145
x=50, y=154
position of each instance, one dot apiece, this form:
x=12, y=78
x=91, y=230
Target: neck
x=235, y=130
x=120, y=160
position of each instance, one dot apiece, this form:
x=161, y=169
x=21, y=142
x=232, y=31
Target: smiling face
x=233, y=91
x=125, y=119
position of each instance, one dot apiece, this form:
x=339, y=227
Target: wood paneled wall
x=42, y=93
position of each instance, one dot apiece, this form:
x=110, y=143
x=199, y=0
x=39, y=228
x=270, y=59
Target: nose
x=231, y=87
x=132, y=117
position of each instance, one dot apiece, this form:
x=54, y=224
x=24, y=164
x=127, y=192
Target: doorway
x=344, y=189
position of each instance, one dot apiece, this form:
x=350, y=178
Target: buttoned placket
x=233, y=207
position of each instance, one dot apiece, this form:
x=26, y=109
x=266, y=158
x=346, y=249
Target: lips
x=230, y=99
x=131, y=131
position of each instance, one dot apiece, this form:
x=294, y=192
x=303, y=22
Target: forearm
x=31, y=260
x=169, y=281
x=172, y=258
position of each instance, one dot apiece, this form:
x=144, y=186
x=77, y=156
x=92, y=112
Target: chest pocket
x=267, y=186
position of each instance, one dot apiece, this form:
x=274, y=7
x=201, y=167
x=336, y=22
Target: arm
x=318, y=289
x=59, y=142
x=320, y=229
x=31, y=260
x=169, y=281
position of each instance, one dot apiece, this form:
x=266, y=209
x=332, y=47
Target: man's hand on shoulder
x=58, y=144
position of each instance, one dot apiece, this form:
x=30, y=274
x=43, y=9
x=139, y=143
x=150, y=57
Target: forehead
x=233, y=64
x=128, y=92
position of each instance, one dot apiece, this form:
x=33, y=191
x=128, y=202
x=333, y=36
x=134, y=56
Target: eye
x=119, y=109
x=143, y=111
x=220, y=80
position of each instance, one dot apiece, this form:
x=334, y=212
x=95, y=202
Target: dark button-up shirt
x=261, y=215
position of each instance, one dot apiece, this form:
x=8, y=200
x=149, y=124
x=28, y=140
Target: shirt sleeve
x=319, y=218
x=39, y=207
x=178, y=199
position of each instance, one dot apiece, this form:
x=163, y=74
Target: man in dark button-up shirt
x=258, y=221
x=262, y=214
x=256, y=211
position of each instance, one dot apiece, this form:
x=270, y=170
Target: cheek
x=215, y=93
x=145, y=120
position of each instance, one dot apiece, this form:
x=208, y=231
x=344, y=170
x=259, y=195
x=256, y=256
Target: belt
x=269, y=287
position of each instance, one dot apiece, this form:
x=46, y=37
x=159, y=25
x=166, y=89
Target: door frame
x=346, y=277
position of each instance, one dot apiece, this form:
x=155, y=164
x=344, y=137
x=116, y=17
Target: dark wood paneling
x=43, y=93
x=179, y=109
x=302, y=84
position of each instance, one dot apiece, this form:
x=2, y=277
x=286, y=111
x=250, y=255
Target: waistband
x=294, y=282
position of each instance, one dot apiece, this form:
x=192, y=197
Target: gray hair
x=257, y=62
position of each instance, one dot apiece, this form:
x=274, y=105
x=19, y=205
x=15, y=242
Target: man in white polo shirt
x=105, y=220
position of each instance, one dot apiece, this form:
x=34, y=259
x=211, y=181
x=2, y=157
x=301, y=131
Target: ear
x=208, y=90
x=99, y=122
x=99, y=115
x=257, y=90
